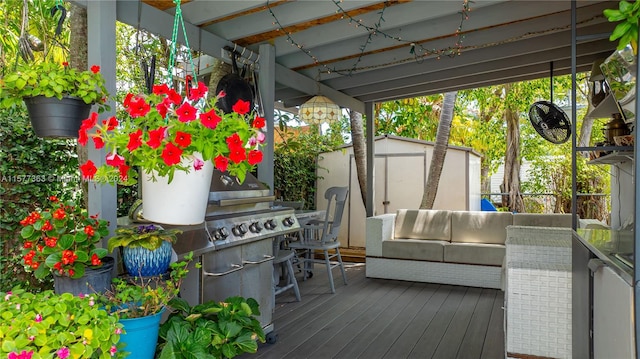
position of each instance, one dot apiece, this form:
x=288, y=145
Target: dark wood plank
x=412, y=333
x=348, y=327
x=494, y=344
x=310, y=323
x=474, y=337
x=428, y=342
x=377, y=338
x=453, y=336
x=378, y=318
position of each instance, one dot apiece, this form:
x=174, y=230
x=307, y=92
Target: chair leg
x=327, y=262
x=344, y=275
x=292, y=280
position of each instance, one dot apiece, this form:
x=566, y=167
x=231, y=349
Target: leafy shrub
x=31, y=170
x=211, y=330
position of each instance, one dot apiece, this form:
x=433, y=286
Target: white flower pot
x=181, y=202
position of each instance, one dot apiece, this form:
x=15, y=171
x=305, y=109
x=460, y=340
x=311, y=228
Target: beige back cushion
x=480, y=227
x=423, y=224
x=543, y=220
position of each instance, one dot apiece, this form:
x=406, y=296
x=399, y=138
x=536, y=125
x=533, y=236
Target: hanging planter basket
x=56, y=118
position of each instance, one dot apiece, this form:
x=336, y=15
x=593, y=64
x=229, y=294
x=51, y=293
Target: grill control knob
x=270, y=224
x=255, y=227
x=288, y=222
x=240, y=229
x=220, y=233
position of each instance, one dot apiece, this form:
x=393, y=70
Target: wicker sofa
x=450, y=247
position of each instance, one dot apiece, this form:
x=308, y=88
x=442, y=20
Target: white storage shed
x=401, y=170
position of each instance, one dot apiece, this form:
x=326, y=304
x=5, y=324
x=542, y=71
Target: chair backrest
x=336, y=197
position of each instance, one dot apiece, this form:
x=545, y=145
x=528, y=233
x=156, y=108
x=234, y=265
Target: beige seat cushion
x=475, y=253
x=423, y=224
x=543, y=220
x=480, y=227
x=431, y=250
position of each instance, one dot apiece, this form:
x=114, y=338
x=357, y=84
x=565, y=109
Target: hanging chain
x=178, y=22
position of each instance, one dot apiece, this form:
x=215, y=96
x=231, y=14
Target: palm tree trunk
x=79, y=59
x=439, y=151
x=512, y=164
x=359, y=151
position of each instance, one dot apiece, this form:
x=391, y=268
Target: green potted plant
x=173, y=139
x=62, y=240
x=57, y=96
x=139, y=302
x=211, y=330
x=46, y=325
x=146, y=249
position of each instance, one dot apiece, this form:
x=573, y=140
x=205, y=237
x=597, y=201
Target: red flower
x=68, y=257
x=155, y=137
x=47, y=226
x=124, y=172
x=88, y=169
x=89, y=231
x=59, y=213
x=183, y=139
x=171, y=154
x=89, y=122
x=138, y=107
x=111, y=123
x=65, y=63
x=28, y=244
x=255, y=157
x=127, y=100
x=234, y=141
x=163, y=108
x=53, y=198
x=135, y=140
x=259, y=122
x=95, y=260
x=241, y=107
x=51, y=241
x=82, y=137
x=237, y=154
x=114, y=160
x=98, y=142
x=210, y=119
x=199, y=92
x=174, y=97
x=95, y=69
x=221, y=94
x=221, y=163
x=186, y=112
x=160, y=89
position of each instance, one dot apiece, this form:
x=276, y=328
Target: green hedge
x=31, y=170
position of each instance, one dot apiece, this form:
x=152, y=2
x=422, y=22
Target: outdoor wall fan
x=549, y=120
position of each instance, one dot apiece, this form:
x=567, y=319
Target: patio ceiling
x=372, y=51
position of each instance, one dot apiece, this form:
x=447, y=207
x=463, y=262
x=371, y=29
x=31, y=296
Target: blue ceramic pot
x=141, y=335
x=139, y=261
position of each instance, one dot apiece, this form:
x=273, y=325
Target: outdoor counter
x=614, y=248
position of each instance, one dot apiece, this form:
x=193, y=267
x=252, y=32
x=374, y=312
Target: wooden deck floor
x=375, y=318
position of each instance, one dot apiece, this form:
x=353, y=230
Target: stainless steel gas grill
x=235, y=245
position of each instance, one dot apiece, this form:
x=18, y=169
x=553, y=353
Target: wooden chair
x=322, y=236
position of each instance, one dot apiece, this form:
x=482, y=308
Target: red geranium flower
x=241, y=107
x=182, y=139
x=221, y=163
x=171, y=154
x=254, y=157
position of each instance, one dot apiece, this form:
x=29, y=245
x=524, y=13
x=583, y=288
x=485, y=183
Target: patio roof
x=373, y=51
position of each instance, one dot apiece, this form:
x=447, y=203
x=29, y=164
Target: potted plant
x=46, y=325
x=174, y=139
x=230, y=328
x=57, y=96
x=139, y=303
x=146, y=249
x=62, y=239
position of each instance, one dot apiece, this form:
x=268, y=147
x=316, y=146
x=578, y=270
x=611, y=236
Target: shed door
x=399, y=183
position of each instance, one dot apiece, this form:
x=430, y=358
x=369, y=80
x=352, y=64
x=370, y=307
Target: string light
x=375, y=30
